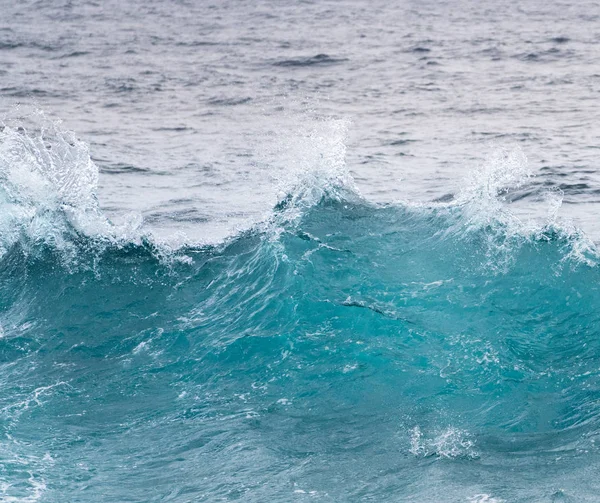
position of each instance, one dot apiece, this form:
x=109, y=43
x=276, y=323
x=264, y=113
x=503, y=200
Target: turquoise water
x=295, y=251
x=337, y=351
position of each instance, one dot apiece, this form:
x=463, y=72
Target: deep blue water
x=295, y=252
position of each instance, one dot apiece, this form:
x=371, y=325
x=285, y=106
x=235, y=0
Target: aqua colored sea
x=337, y=350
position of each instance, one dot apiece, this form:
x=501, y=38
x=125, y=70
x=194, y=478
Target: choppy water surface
x=331, y=251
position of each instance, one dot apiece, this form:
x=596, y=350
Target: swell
x=352, y=317
x=401, y=335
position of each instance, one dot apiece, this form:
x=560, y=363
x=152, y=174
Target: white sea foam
x=48, y=186
x=29, y=473
x=49, y=183
x=314, y=159
x=484, y=498
x=484, y=207
x=448, y=443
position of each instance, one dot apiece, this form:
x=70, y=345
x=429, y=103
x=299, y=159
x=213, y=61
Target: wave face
x=342, y=351
x=339, y=350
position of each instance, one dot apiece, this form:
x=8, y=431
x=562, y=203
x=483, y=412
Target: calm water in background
x=343, y=263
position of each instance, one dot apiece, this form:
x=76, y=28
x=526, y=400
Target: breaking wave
x=337, y=349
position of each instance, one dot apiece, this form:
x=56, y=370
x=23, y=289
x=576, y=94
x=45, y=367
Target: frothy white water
x=484, y=498
x=49, y=187
x=28, y=481
x=49, y=184
x=449, y=443
x=484, y=203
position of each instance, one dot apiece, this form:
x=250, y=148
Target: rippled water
x=329, y=251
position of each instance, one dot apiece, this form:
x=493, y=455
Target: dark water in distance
x=299, y=251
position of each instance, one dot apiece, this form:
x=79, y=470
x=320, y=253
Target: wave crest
x=49, y=183
x=48, y=188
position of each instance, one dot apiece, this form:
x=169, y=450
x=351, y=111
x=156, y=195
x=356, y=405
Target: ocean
x=275, y=251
